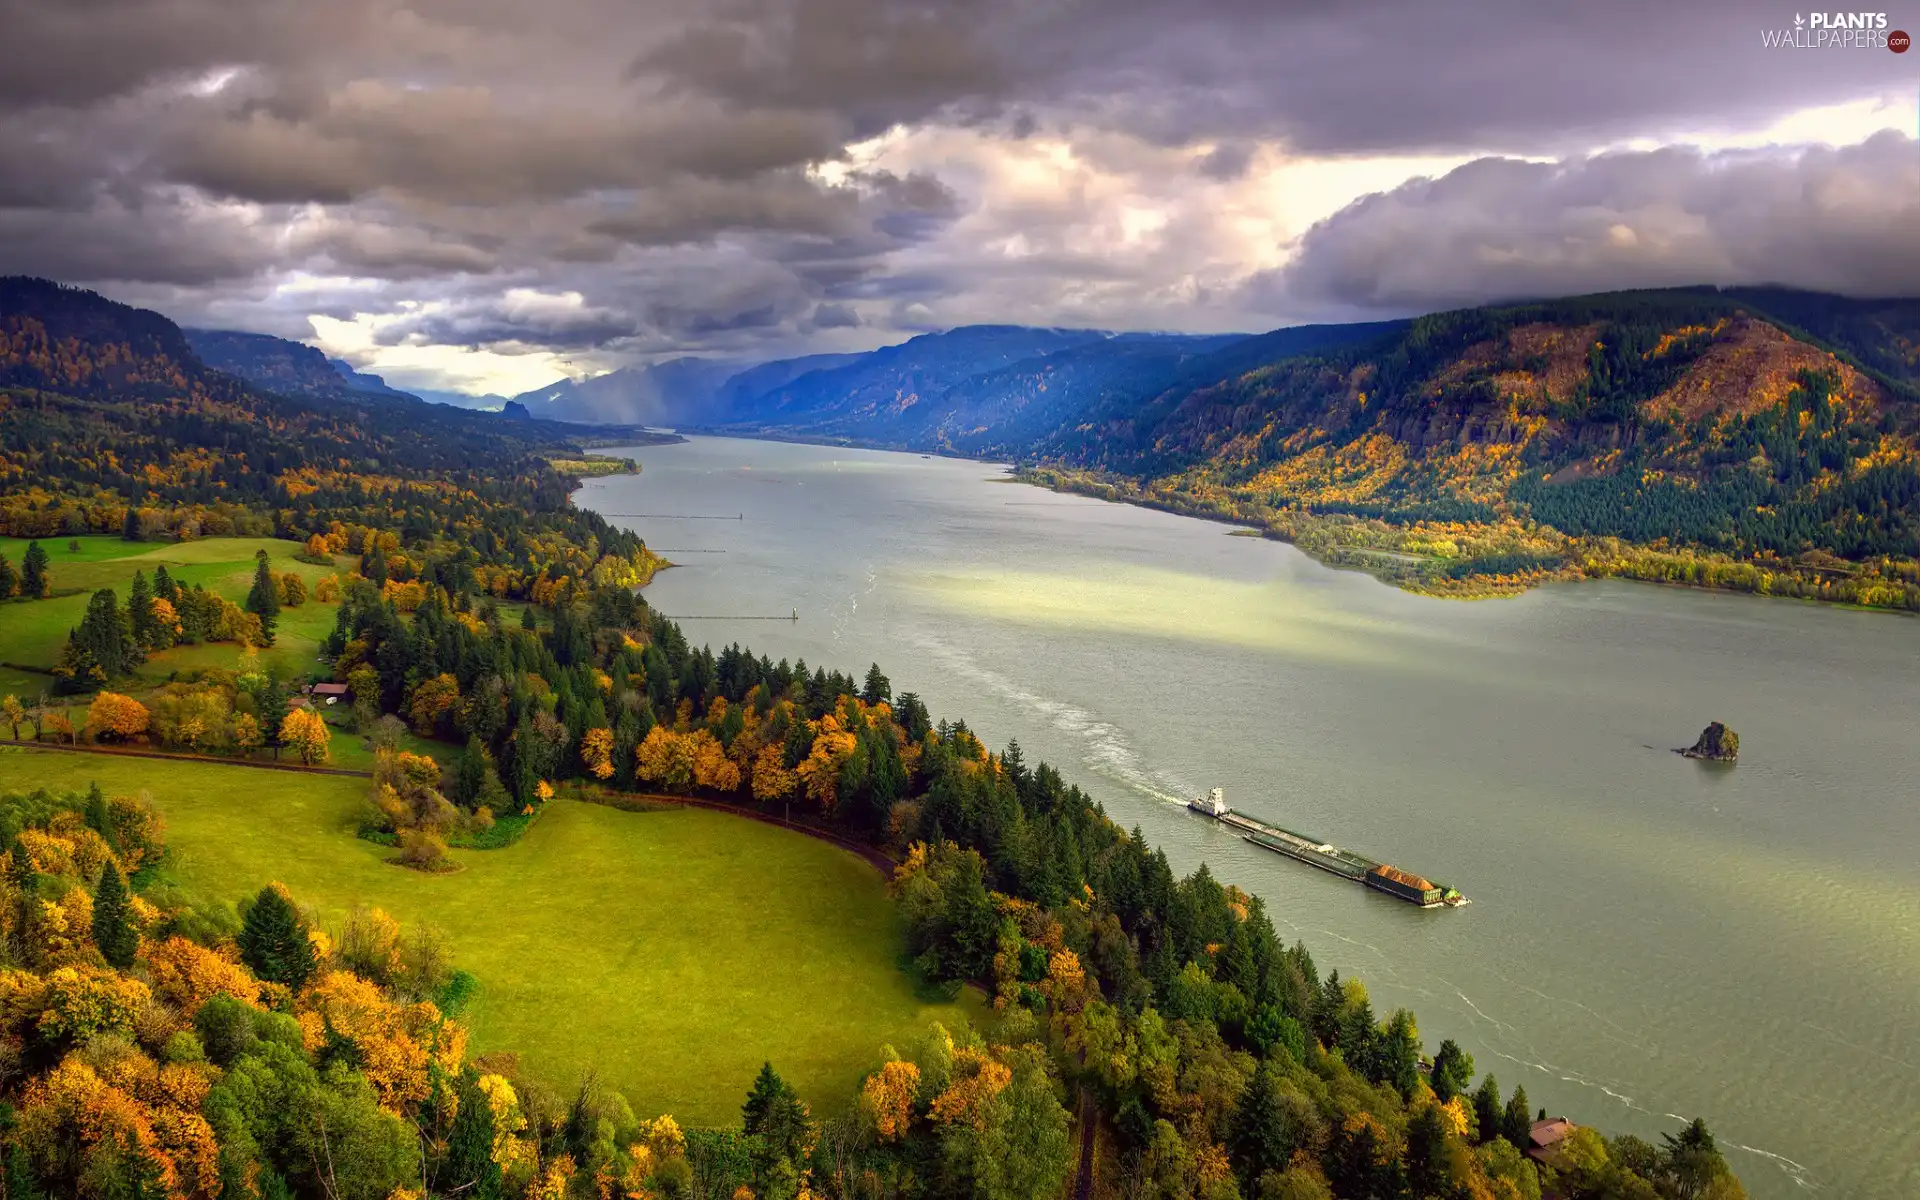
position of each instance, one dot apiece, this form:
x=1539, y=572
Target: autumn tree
x=9, y=580
x=293, y=590
x=116, y=717
x=273, y=939
x=113, y=930
x=433, y=703
x=263, y=599
x=596, y=753
x=306, y=734
x=13, y=712
x=34, y=583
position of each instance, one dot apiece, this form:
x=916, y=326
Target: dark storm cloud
x=1845, y=220
x=658, y=158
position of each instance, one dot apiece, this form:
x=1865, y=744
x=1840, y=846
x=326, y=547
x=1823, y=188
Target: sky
x=489, y=195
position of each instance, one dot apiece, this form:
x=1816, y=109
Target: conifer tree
x=1486, y=1108
x=140, y=618
x=113, y=930
x=100, y=817
x=130, y=528
x=33, y=573
x=263, y=600
x=1516, y=1124
x=273, y=940
x=20, y=1181
x=469, y=1169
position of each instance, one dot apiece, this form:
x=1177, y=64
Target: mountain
x=666, y=393
x=872, y=397
x=277, y=364
x=103, y=405
x=491, y=401
x=288, y=367
x=1704, y=435
x=359, y=381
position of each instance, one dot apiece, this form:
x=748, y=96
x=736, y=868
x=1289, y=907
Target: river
x=1650, y=938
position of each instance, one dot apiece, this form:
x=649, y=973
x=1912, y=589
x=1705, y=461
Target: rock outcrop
x=1717, y=744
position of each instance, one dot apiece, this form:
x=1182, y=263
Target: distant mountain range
x=1757, y=438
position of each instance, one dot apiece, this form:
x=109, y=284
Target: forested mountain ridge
x=1690, y=435
x=110, y=423
x=279, y=365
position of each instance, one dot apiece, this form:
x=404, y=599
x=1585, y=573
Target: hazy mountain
x=669, y=393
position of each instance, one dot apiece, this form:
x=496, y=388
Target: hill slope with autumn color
x=1693, y=436
x=111, y=423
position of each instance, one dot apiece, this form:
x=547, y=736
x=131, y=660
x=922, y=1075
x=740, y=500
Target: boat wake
x=1106, y=749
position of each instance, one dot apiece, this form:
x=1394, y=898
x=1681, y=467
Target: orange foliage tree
x=116, y=717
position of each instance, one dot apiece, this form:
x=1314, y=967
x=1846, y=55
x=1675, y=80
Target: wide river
x=1650, y=938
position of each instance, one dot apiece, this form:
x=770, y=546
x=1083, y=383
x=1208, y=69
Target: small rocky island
x=1717, y=744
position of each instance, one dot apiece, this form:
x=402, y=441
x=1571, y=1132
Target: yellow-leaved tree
x=116, y=718
x=304, y=733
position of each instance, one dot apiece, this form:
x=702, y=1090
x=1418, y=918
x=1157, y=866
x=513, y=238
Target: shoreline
x=1125, y=490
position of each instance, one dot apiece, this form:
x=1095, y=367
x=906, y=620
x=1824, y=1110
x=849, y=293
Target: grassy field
x=672, y=951
x=33, y=632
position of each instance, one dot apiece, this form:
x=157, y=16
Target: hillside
x=1687, y=435
x=280, y=365
x=883, y=396
x=109, y=420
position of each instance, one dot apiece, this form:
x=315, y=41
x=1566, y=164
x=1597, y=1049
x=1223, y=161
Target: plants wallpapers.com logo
x=1837, y=31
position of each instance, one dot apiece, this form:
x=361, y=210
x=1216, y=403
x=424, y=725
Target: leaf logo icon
x=1798, y=20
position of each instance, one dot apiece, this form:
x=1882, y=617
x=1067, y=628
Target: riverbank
x=1477, y=561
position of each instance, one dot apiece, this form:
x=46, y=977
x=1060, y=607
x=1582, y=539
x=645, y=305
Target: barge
x=1381, y=877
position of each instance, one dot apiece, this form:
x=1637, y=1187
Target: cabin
x=328, y=693
x=1404, y=884
x=1545, y=1137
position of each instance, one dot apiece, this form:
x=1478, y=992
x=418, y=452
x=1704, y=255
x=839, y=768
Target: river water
x=1650, y=938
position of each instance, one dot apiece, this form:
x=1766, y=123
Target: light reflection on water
x=1650, y=937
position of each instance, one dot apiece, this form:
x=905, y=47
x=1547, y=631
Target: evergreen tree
x=130, y=528
x=164, y=588
x=774, y=1115
x=470, y=774
x=528, y=621
x=9, y=582
x=141, y=621
x=1399, y=1052
x=107, y=636
x=21, y=1183
x=113, y=930
x=263, y=599
x=469, y=1169
x=33, y=573
x=99, y=816
x=1516, y=1124
x=273, y=940
x=1260, y=1139
x=1486, y=1108
x=1452, y=1071
x=877, y=689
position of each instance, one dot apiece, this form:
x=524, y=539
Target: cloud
x=756, y=177
x=1832, y=219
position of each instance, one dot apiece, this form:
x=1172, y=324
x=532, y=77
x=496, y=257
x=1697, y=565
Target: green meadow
x=33, y=632
x=671, y=952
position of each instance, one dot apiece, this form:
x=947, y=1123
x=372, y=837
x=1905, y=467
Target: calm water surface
x=1651, y=938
